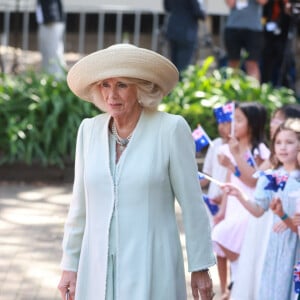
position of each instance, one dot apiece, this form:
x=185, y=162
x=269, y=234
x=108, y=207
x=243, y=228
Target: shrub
x=40, y=116
x=39, y=119
x=203, y=88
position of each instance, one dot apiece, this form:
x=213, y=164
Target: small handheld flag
x=224, y=113
x=201, y=138
x=203, y=175
x=296, y=276
x=213, y=208
x=200, y=176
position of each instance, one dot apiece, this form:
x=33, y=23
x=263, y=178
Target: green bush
x=39, y=115
x=39, y=119
x=203, y=88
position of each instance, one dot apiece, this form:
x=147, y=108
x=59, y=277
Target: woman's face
x=276, y=120
x=241, y=127
x=286, y=147
x=120, y=97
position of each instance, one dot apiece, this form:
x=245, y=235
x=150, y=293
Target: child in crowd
x=283, y=113
x=279, y=116
x=245, y=151
x=256, y=236
x=276, y=281
x=212, y=167
x=211, y=164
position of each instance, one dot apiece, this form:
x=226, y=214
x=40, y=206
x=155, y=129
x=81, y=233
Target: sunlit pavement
x=31, y=228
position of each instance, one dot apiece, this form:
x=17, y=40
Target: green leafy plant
x=202, y=88
x=40, y=116
x=39, y=119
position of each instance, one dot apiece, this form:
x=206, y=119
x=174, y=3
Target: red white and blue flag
x=224, y=113
x=296, y=275
x=201, y=138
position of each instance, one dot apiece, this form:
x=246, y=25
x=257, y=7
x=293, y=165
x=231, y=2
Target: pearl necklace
x=122, y=142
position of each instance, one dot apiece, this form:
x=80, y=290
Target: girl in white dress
x=244, y=152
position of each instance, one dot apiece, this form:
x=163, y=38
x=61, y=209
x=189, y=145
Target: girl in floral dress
x=276, y=191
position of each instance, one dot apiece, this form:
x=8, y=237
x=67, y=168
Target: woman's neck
x=126, y=124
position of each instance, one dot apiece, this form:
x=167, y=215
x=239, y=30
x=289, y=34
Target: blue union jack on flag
x=224, y=113
x=201, y=138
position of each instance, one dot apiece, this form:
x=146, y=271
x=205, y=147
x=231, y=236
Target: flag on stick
x=201, y=138
x=213, y=208
x=224, y=113
x=200, y=176
x=203, y=175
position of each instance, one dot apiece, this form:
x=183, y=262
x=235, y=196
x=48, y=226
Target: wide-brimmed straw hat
x=121, y=60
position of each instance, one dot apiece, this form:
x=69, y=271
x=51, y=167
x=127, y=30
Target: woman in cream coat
x=121, y=239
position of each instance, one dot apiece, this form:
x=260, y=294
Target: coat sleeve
x=75, y=223
x=184, y=180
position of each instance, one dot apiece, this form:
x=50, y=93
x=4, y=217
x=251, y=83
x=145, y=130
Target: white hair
x=149, y=94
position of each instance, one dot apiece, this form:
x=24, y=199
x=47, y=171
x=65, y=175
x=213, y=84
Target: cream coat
x=157, y=166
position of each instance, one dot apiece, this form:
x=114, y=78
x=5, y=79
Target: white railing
x=26, y=8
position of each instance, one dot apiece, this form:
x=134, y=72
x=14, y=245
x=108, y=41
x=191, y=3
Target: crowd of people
x=133, y=162
x=255, y=230
x=257, y=37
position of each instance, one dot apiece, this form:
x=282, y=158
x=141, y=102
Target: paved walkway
x=31, y=229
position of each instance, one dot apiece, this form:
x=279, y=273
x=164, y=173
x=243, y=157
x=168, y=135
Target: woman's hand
x=202, y=285
x=67, y=283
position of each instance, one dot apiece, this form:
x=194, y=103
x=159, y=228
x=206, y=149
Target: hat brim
x=121, y=60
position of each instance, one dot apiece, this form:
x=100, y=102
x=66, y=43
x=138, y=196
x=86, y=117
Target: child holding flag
x=246, y=140
x=213, y=168
x=256, y=236
x=211, y=165
x=276, y=191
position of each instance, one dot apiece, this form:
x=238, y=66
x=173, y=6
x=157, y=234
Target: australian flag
x=296, y=276
x=213, y=208
x=201, y=138
x=224, y=113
